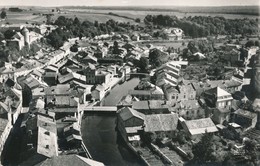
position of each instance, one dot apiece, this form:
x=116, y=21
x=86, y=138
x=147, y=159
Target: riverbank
x=99, y=131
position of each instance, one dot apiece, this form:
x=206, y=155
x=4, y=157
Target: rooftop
x=47, y=143
x=200, y=126
x=161, y=122
x=69, y=160
x=127, y=113
x=244, y=113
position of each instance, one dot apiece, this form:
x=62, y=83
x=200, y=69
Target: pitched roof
x=161, y=122
x=47, y=143
x=218, y=92
x=41, y=121
x=126, y=113
x=200, y=126
x=69, y=160
x=244, y=113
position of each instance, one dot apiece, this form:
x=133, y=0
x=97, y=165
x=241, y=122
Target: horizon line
x=156, y=6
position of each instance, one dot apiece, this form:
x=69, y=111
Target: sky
x=129, y=2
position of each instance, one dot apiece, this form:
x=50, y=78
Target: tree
x=3, y=14
x=250, y=43
x=157, y=57
x=74, y=48
x=144, y=63
x=204, y=149
x=116, y=48
x=137, y=20
x=9, y=34
x=250, y=150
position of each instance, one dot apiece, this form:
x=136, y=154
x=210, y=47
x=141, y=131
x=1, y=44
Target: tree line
x=202, y=26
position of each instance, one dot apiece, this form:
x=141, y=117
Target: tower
x=26, y=35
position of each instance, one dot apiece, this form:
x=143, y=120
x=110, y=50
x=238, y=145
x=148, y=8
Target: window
x=173, y=97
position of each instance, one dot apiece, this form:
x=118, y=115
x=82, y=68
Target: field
x=101, y=14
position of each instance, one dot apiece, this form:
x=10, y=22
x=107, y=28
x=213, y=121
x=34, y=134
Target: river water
x=100, y=136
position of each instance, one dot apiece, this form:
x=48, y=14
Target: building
x=159, y=126
x=151, y=106
x=11, y=104
x=220, y=115
x=40, y=141
x=197, y=127
x=168, y=74
x=99, y=92
x=145, y=36
x=174, y=33
x=69, y=160
x=129, y=123
x=245, y=118
x=17, y=41
x=217, y=97
x=230, y=86
x=72, y=76
x=151, y=92
x=97, y=76
x=183, y=91
x=188, y=109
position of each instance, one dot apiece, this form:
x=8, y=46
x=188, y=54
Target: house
x=69, y=160
x=129, y=123
x=40, y=141
x=147, y=92
x=188, y=109
x=217, y=97
x=46, y=147
x=161, y=125
x=230, y=86
x=168, y=74
x=198, y=127
x=97, y=76
x=244, y=118
x=64, y=79
x=232, y=56
x=11, y=104
x=183, y=91
x=17, y=41
x=174, y=33
x=151, y=106
x=126, y=101
x=220, y=115
x=29, y=83
x=99, y=92
x=198, y=56
x=145, y=36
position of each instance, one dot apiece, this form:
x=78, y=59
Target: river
x=100, y=136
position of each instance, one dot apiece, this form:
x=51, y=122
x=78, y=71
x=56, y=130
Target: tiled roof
x=247, y=114
x=45, y=122
x=218, y=92
x=127, y=113
x=69, y=160
x=200, y=126
x=161, y=122
x=47, y=143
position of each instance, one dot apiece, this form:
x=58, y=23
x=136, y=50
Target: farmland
x=121, y=15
